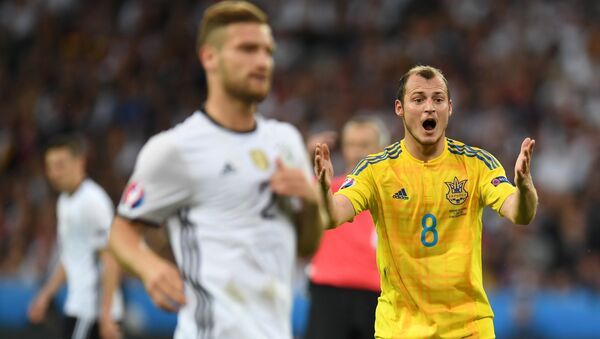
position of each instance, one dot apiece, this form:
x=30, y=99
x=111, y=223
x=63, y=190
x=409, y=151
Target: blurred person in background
x=84, y=213
x=426, y=194
x=344, y=281
x=234, y=190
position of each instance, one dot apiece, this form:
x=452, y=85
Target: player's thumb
x=279, y=165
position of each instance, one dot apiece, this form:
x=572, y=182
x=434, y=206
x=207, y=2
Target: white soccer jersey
x=233, y=240
x=84, y=220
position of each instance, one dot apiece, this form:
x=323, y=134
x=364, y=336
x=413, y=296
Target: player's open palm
x=323, y=166
x=523, y=164
x=164, y=285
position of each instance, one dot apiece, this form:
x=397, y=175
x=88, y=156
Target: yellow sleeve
x=359, y=188
x=494, y=186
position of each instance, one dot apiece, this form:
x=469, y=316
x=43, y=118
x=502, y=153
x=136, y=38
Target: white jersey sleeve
x=160, y=183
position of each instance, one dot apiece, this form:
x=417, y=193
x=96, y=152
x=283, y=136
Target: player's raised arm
x=340, y=209
x=520, y=207
x=161, y=279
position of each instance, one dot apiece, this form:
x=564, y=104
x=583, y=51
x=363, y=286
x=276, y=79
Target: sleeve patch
x=498, y=180
x=133, y=196
x=348, y=183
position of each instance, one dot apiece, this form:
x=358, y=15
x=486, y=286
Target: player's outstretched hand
x=292, y=182
x=37, y=309
x=164, y=285
x=523, y=165
x=323, y=166
x=324, y=173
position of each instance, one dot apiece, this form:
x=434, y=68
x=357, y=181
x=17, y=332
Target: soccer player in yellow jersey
x=426, y=194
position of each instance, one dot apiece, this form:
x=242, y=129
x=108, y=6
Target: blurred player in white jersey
x=234, y=191
x=85, y=213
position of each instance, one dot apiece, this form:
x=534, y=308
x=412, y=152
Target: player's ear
x=399, y=108
x=208, y=57
x=80, y=163
x=449, y=107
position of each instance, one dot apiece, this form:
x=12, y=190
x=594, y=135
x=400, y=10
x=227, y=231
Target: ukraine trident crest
x=457, y=194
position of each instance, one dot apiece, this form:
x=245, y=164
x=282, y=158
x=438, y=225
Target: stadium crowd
x=121, y=70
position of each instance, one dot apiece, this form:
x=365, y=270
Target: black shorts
x=78, y=328
x=341, y=313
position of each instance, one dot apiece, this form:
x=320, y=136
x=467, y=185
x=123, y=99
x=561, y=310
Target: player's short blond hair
x=225, y=13
x=383, y=133
x=427, y=72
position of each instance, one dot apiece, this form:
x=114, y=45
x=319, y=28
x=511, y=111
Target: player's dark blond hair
x=427, y=72
x=74, y=143
x=225, y=13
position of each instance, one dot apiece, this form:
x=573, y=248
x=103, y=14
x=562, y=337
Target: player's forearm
x=310, y=229
x=110, y=283
x=54, y=282
x=525, y=204
x=334, y=209
x=127, y=247
x=157, y=240
x=342, y=210
x=339, y=213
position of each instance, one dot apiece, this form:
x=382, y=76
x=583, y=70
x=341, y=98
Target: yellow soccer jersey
x=428, y=219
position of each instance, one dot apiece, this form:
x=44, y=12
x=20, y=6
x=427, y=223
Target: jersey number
x=267, y=212
x=428, y=229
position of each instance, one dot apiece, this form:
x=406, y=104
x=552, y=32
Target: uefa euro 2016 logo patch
x=347, y=183
x=133, y=195
x=457, y=194
x=498, y=180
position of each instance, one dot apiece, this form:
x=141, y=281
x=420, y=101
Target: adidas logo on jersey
x=228, y=169
x=401, y=194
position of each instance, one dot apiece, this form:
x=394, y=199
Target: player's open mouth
x=429, y=124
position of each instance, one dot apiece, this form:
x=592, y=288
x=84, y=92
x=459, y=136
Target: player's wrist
x=106, y=318
x=147, y=270
x=312, y=196
x=525, y=184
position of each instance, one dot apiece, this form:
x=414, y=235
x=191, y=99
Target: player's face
x=425, y=110
x=246, y=61
x=359, y=141
x=63, y=168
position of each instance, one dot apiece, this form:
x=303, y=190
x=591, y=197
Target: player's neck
x=424, y=152
x=76, y=184
x=231, y=113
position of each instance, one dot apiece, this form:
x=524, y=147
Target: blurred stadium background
x=121, y=70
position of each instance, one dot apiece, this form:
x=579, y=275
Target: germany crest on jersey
x=260, y=159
